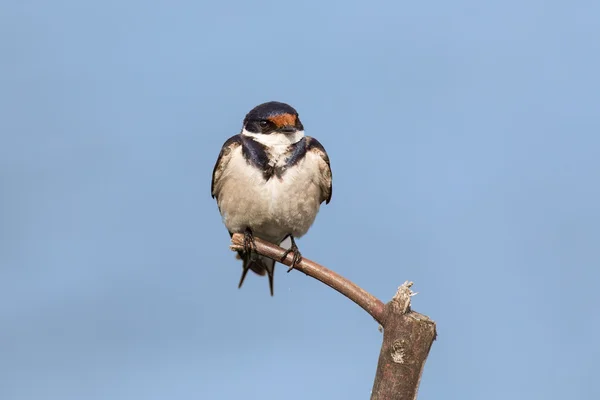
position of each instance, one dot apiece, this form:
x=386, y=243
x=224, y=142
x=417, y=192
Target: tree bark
x=407, y=335
x=407, y=339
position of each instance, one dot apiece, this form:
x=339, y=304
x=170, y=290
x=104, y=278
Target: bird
x=269, y=182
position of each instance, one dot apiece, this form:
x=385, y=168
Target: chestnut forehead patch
x=283, y=120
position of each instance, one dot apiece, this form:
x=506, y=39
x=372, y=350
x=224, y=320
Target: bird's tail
x=259, y=265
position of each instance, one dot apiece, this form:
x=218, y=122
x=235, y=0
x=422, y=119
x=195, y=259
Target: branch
x=407, y=339
x=407, y=335
x=367, y=301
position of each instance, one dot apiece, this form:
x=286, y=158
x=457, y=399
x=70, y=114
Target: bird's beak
x=287, y=129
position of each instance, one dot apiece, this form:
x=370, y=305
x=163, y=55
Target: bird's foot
x=297, y=255
x=249, y=243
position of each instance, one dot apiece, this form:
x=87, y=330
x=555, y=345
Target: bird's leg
x=249, y=244
x=297, y=256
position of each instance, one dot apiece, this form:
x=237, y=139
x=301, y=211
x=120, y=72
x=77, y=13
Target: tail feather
x=259, y=265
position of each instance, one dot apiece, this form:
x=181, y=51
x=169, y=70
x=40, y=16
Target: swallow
x=269, y=182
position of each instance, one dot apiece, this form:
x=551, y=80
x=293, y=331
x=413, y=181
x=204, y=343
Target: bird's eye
x=264, y=123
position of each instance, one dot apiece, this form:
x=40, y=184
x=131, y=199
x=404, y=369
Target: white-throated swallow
x=269, y=182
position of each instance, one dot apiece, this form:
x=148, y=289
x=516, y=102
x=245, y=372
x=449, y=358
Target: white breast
x=272, y=208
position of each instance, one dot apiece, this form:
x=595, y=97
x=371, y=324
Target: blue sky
x=464, y=143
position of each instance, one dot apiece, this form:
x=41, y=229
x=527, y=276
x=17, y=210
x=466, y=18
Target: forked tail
x=259, y=265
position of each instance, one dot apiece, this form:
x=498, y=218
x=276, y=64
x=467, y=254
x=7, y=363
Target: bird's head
x=277, y=120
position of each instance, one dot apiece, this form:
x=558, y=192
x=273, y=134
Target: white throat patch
x=275, y=139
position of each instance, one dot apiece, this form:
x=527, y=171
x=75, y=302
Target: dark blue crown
x=266, y=110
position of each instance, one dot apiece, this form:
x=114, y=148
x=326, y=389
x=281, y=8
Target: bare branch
x=407, y=335
x=407, y=339
x=367, y=301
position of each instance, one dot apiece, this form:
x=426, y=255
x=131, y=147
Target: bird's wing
x=317, y=148
x=222, y=162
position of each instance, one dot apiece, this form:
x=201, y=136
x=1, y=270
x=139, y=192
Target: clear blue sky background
x=465, y=144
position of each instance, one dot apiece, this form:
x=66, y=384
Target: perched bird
x=269, y=182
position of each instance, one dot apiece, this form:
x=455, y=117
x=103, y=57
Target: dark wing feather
x=224, y=157
x=315, y=147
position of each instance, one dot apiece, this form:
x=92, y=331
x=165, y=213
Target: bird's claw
x=249, y=243
x=297, y=257
x=296, y=260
